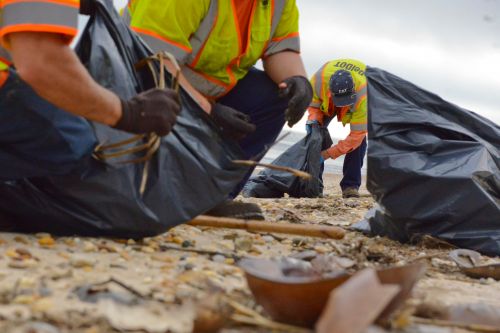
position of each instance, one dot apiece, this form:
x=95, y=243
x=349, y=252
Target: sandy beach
x=90, y=285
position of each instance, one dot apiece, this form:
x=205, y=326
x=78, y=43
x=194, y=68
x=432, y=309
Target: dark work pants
x=36, y=138
x=257, y=96
x=353, y=163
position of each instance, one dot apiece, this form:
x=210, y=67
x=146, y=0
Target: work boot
x=350, y=192
x=238, y=210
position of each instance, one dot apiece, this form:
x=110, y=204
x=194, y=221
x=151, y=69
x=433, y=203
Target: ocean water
x=331, y=166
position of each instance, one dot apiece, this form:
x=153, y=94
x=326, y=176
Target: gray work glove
x=154, y=110
x=234, y=124
x=299, y=93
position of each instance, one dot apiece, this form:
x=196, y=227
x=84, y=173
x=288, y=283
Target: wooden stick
x=295, y=172
x=272, y=227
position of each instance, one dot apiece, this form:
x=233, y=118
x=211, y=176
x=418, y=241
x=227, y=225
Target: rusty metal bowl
x=299, y=300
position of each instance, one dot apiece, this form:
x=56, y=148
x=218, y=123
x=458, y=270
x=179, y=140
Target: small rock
x=243, y=244
x=186, y=243
x=147, y=249
x=436, y=262
x=218, y=258
x=322, y=249
x=268, y=239
x=82, y=262
x=46, y=241
x=188, y=267
x=20, y=239
x=305, y=255
x=22, y=264
x=229, y=261
x=89, y=247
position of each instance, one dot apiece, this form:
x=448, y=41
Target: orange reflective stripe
x=360, y=99
x=5, y=61
x=69, y=3
x=39, y=28
x=3, y=77
x=293, y=34
x=163, y=39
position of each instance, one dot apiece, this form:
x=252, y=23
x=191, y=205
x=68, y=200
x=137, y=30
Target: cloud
x=444, y=46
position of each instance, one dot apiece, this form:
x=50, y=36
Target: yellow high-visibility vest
x=358, y=115
x=204, y=36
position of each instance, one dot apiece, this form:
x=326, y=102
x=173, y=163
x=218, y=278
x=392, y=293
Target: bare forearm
x=283, y=65
x=52, y=69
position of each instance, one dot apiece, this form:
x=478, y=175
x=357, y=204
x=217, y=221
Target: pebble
x=147, y=249
x=186, y=243
x=322, y=249
x=436, y=262
x=89, y=247
x=243, y=244
x=22, y=264
x=82, y=262
x=268, y=239
x=218, y=258
x=46, y=241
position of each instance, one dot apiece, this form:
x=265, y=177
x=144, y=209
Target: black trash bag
x=433, y=167
x=304, y=156
x=190, y=173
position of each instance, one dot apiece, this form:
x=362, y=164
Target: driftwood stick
x=295, y=172
x=271, y=227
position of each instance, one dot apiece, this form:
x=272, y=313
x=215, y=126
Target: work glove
x=234, y=124
x=299, y=92
x=154, y=110
x=309, y=124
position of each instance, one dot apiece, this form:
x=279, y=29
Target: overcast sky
x=450, y=47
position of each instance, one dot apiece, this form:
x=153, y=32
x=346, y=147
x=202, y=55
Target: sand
x=51, y=285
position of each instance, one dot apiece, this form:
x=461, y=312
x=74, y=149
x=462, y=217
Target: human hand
x=154, y=110
x=234, y=124
x=299, y=92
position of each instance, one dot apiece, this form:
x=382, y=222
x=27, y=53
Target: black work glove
x=154, y=110
x=299, y=93
x=234, y=124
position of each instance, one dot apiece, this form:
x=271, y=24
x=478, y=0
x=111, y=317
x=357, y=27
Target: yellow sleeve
x=167, y=25
x=286, y=35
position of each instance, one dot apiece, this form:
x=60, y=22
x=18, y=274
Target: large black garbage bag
x=304, y=156
x=433, y=167
x=190, y=173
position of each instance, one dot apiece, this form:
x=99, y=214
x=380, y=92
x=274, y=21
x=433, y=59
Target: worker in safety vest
x=340, y=91
x=218, y=42
x=45, y=91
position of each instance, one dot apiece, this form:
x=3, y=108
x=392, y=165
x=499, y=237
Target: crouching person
x=340, y=91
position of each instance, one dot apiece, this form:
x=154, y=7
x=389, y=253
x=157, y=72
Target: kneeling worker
x=45, y=94
x=340, y=90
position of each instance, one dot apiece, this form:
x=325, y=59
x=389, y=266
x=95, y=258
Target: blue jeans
x=351, y=169
x=36, y=138
x=257, y=96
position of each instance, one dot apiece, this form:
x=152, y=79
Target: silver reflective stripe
x=359, y=127
x=157, y=45
x=4, y=54
x=201, y=84
x=292, y=43
x=315, y=104
x=40, y=13
x=279, y=6
x=201, y=35
x=361, y=93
